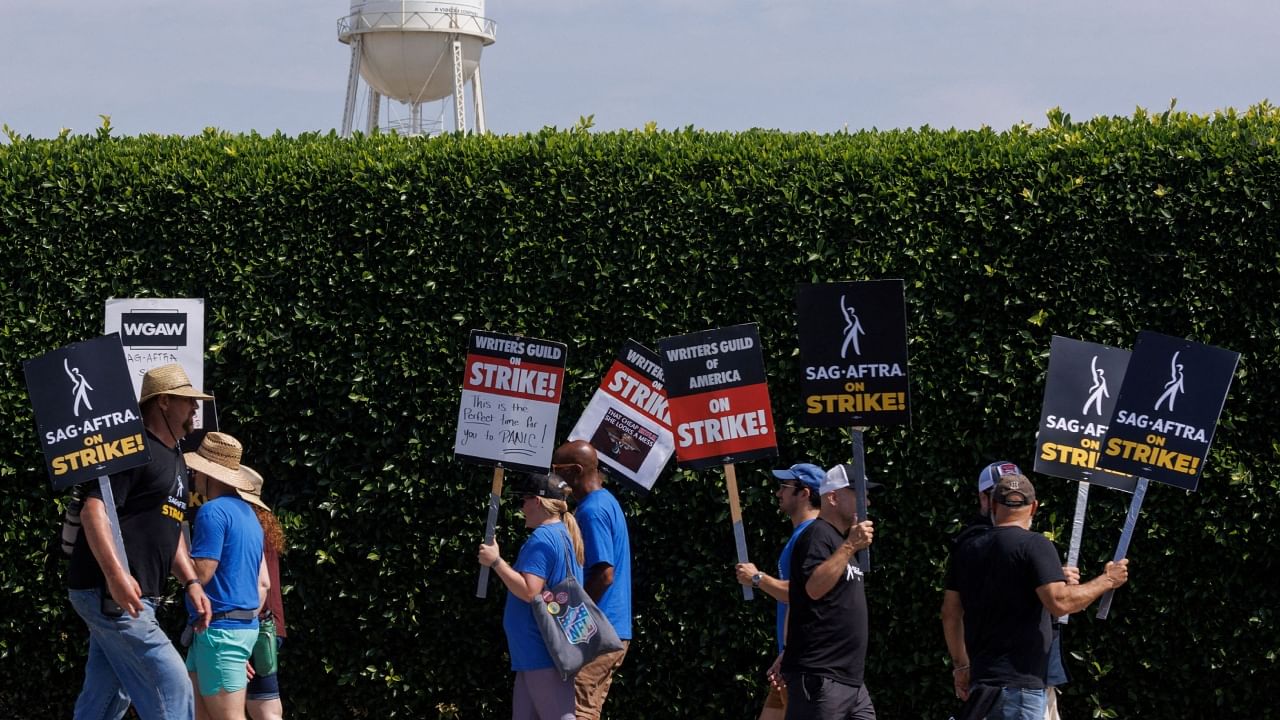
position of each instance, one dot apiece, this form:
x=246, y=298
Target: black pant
x=813, y=697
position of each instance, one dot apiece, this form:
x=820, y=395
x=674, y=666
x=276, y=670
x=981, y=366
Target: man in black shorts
x=1002, y=585
x=826, y=643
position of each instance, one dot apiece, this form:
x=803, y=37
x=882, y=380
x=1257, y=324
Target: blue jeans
x=130, y=661
x=1018, y=704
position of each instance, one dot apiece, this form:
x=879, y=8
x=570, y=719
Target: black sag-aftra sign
x=1080, y=395
x=1168, y=409
x=87, y=416
x=853, y=354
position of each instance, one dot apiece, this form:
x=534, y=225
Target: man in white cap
x=131, y=660
x=826, y=647
x=1001, y=587
x=227, y=550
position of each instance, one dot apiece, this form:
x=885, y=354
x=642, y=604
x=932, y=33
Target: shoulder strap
x=571, y=561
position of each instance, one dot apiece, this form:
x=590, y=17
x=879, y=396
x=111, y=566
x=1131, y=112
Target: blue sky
x=798, y=65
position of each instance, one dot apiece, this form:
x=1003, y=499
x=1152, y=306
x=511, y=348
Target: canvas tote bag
x=574, y=629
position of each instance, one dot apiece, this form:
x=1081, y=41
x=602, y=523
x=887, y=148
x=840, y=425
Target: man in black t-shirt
x=826, y=642
x=1002, y=585
x=131, y=660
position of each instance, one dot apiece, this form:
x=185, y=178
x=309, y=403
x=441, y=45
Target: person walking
x=553, y=551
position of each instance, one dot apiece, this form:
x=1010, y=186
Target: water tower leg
x=477, y=95
x=415, y=118
x=353, y=84
x=459, y=92
x=375, y=105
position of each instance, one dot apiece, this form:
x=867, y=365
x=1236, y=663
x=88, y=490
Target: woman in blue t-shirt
x=553, y=550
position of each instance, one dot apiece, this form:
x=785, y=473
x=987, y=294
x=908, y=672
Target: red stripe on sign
x=723, y=422
x=636, y=391
x=530, y=381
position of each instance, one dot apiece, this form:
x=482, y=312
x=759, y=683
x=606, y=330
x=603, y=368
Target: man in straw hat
x=226, y=548
x=131, y=660
x=1001, y=587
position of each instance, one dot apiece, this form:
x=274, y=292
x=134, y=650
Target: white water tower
x=415, y=52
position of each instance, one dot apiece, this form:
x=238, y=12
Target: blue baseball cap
x=811, y=476
x=992, y=473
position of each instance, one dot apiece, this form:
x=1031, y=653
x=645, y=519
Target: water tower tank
x=416, y=51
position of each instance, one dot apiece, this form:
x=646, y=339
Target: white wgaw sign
x=159, y=331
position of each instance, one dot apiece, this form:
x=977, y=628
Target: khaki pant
x=591, y=686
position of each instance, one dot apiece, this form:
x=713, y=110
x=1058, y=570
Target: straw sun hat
x=219, y=458
x=253, y=496
x=169, y=379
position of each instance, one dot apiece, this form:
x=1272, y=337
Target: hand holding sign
x=1164, y=419
x=719, y=405
x=853, y=355
x=510, y=401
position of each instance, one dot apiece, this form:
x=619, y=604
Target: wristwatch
x=755, y=580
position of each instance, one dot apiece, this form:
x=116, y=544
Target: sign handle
x=735, y=514
x=113, y=519
x=491, y=524
x=1077, y=531
x=1130, y=521
x=860, y=485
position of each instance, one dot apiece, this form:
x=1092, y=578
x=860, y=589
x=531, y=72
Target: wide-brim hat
x=169, y=379
x=219, y=458
x=254, y=496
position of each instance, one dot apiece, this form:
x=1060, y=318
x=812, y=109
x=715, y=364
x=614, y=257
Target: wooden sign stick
x=735, y=514
x=495, y=499
x=1077, y=530
x=1130, y=521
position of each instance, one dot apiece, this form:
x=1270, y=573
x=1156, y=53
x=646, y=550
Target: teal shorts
x=218, y=656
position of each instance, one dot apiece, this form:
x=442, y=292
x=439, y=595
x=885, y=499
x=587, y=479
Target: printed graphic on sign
x=717, y=396
x=627, y=420
x=510, y=400
x=159, y=331
x=86, y=412
x=623, y=440
x=1078, y=402
x=1168, y=409
x=853, y=354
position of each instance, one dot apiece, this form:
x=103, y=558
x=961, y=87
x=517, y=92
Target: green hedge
x=342, y=276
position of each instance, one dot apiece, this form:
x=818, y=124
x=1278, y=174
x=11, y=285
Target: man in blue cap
x=797, y=499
